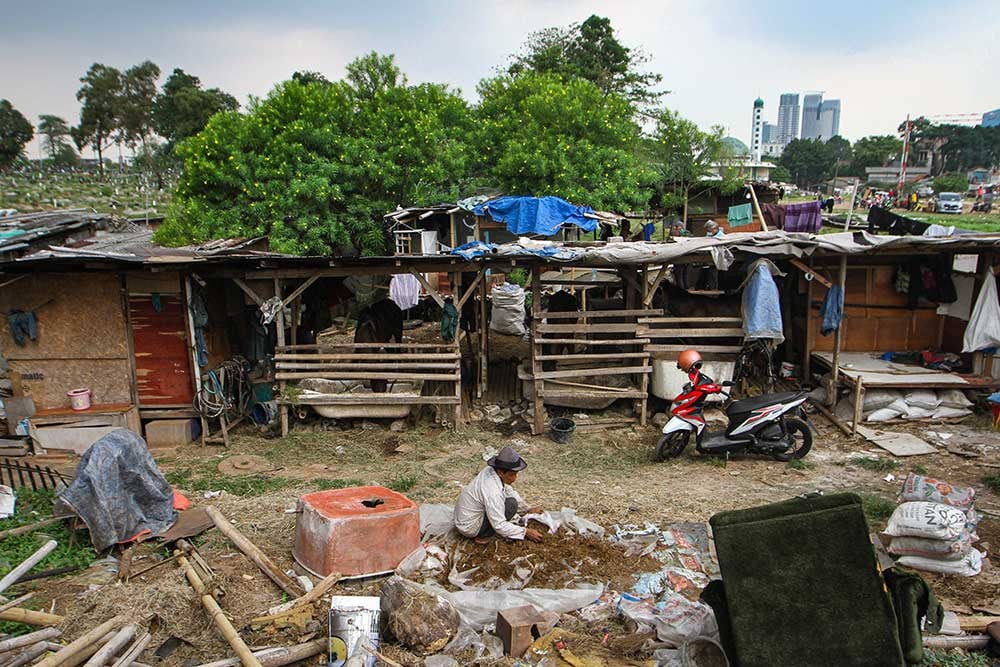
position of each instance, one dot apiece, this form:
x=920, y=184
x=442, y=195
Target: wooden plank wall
x=81, y=337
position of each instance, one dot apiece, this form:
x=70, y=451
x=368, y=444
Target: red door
x=162, y=355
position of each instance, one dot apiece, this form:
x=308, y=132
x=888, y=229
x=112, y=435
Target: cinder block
x=518, y=627
x=169, y=432
x=360, y=530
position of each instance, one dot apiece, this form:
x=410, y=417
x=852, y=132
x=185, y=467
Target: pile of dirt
x=560, y=560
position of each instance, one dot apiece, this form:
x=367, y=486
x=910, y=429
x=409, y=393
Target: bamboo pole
x=31, y=617
x=83, y=655
x=134, y=651
x=756, y=207
x=113, y=646
x=21, y=530
x=26, y=565
x=831, y=399
x=277, y=656
x=226, y=628
x=83, y=642
x=16, y=602
x=29, y=639
x=251, y=551
x=315, y=594
x=29, y=655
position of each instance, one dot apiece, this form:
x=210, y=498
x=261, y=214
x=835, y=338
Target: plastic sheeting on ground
x=119, y=492
x=537, y=215
x=761, y=303
x=983, y=330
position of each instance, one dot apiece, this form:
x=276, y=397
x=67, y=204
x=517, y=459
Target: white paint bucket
x=353, y=617
x=79, y=399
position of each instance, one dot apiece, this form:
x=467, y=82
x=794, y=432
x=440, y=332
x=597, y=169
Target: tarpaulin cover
x=537, y=215
x=761, y=304
x=119, y=492
x=983, y=330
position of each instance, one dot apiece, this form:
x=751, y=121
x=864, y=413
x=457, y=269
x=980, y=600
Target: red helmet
x=689, y=359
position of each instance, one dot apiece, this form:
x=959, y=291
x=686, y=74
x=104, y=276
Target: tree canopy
x=99, y=96
x=542, y=134
x=182, y=108
x=682, y=157
x=874, y=151
x=590, y=51
x=951, y=183
x=809, y=161
x=15, y=132
x=315, y=167
x=56, y=134
x=958, y=147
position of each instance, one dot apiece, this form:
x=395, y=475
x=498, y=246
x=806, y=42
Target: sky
x=882, y=59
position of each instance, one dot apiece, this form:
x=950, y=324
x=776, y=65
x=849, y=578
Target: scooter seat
x=757, y=402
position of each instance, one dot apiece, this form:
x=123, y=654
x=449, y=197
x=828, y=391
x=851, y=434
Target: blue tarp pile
x=537, y=215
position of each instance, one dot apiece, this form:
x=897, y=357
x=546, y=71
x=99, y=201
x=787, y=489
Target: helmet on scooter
x=689, y=359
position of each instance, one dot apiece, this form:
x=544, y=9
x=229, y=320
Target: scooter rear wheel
x=672, y=445
x=801, y=440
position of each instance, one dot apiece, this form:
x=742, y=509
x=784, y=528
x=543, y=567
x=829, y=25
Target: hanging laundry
x=774, y=215
x=157, y=302
x=404, y=290
x=983, y=330
x=833, y=310
x=740, y=216
x=449, y=321
x=199, y=320
x=23, y=326
x=648, y=230
x=962, y=306
x=805, y=217
x=761, y=303
x=880, y=219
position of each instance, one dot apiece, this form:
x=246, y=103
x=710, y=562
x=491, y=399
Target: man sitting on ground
x=487, y=505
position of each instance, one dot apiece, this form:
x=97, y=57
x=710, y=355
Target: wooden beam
x=388, y=375
x=249, y=291
x=299, y=290
x=584, y=372
x=801, y=266
x=438, y=299
x=370, y=356
x=660, y=275
x=756, y=206
x=469, y=292
x=545, y=327
x=282, y=348
x=370, y=399
x=581, y=357
x=719, y=349
x=361, y=366
x=690, y=333
x=597, y=314
x=691, y=320
x=591, y=341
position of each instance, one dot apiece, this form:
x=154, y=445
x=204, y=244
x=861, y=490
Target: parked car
x=948, y=202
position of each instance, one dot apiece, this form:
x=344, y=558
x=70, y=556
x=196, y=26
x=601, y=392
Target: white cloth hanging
x=404, y=290
x=983, y=330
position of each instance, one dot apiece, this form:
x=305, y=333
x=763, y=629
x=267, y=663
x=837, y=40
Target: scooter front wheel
x=800, y=440
x=672, y=445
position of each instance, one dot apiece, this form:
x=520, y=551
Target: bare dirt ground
x=608, y=477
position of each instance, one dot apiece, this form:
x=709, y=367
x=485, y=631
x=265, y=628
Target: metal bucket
x=353, y=617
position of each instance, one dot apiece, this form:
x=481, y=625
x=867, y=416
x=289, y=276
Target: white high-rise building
x=788, y=118
x=757, y=130
x=811, y=105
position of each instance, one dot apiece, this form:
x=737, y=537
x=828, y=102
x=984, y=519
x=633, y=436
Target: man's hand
x=534, y=510
x=533, y=535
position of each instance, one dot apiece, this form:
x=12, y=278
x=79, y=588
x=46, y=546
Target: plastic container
x=79, y=399
x=351, y=618
x=561, y=429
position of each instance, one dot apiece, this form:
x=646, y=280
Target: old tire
x=801, y=437
x=672, y=445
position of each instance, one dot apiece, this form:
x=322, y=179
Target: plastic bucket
x=79, y=399
x=351, y=618
x=561, y=429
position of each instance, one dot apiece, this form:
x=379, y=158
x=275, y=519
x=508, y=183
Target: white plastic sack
x=922, y=488
x=955, y=549
x=674, y=618
x=478, y=609
x=882, y=415
x=983, y=330
x=969, y=566
x=922, y=398
x=919, y=413
x=925, y=519
x=567, y=518
x=436, y=519
x=953, y=398
x=951, y=413
x=508, y=310
x=876, y=399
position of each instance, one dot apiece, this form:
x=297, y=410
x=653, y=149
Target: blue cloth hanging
x=833, y=310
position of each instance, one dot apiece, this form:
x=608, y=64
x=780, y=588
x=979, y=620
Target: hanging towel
x=404, y=290
x=833, y=310
x=740, y=216
x=23, y=326
x=449, y=321
x=983, y=330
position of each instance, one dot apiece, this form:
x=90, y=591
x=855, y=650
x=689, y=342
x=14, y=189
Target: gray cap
x=507, y=459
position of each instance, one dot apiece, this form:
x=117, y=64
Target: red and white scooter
x=759, y=425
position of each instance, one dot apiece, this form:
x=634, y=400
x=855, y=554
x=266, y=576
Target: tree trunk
x=100, y=157
x=685, y=208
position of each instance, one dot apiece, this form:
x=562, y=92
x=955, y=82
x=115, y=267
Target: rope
x=225, y=390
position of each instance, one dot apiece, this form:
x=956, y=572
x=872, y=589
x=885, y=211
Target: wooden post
x=280, y=326
x=536, y=365
x=484, y=333
x=859, y=397
x=455, y=295
x=808, y=347
x=756, y=206
x=838, y=337
x=218, y=617
x=251, y=551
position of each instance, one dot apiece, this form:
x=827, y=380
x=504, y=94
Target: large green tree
x=957, y=147
x=55, y=134
x=683, y=157
x=315, y=167
x=874, y=151
x=590, y=51
x=543, y=134
x=99, y=119
x=809, y=161
x=135, y=104
x=182, y=108
x=15, y=132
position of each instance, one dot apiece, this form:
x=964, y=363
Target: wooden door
x=162, y=352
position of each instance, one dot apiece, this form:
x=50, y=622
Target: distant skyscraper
x=757, y=129
x=770, y=133
x=829, y=119
x=788, y=118
x=811, y=106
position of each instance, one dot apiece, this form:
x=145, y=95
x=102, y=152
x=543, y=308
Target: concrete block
x=361, y=530
x=518, y=627
x=169, y=432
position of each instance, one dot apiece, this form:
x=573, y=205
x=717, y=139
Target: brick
x=518, y=627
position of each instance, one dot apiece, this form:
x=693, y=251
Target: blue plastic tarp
x=537, y=215
x=473, y=249
x=762, y=306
